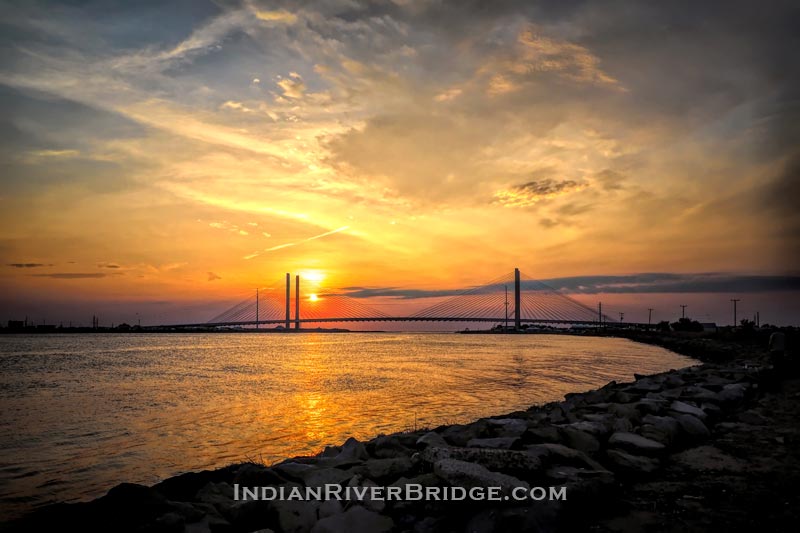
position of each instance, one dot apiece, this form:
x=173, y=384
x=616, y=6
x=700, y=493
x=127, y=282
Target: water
x=81, y=413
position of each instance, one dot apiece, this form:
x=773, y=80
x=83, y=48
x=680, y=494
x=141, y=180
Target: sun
x=313, y=298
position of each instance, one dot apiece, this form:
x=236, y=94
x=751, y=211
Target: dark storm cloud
x=545, y=187
x=781, y=200
x=627, y=284
x=72, y=275
x=28, y=265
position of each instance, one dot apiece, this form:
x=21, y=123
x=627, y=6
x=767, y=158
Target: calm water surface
x=81, y=413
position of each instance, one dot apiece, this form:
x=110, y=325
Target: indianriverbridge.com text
x=410, y=492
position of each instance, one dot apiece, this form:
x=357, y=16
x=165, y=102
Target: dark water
x=81, y=413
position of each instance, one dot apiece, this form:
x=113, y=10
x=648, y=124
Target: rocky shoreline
x=712, y=446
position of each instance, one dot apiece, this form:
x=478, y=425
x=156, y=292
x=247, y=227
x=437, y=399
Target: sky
x=159, y=160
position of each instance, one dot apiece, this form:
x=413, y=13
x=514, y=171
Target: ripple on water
x=82, y=413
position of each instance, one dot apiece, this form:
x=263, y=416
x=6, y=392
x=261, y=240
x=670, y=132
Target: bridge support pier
x=517, y=314
x=297, y=302
x=288, y=285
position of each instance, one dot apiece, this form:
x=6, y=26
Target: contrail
x=288, y=244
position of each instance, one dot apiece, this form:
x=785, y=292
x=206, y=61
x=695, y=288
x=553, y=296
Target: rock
x=663, y=429
x=493, y=459
x=708, y=458
x=220, y=495
x=686, y=409
x=625, y=410
x=552, y=453
x=355, y=519
x=135, y=496
x=541, y=434
x=330, y=451
x=624, y=397
x=508, y=427
x=292, y=470
x=672, y=381
x=170, y=522
x=293, y=516
x=598, y=429
x=425, y=480
x=732, y=393
x=753, y=417
x=699, y=394
x=632, y=463
x=383, y=469
x=495, y=443
x=329, y=508
x=463, y=474
x=189, y=512
x=249, y=515
x=651, y=406
x=565, y=474
x=373, y=505
x=255, y=475
x=209, y=524
x=459, y=435
x=389, y=447
x=319, y=477
x=622, y=424
x=635, y=443
x=580, y=440
x=352, y=450
x=184, y=486
x=693, y=427
x=431, y=438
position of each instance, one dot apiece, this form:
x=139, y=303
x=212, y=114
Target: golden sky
x=191, y=152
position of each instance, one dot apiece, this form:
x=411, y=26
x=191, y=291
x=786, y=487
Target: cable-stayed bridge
x=512, y=300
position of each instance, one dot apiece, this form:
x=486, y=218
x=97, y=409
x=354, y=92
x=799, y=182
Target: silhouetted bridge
x=532, y=302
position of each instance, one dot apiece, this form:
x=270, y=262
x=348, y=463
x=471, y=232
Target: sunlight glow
x=313, y=298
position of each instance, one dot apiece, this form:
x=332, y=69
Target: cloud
x=74, y=275
x=108, y=265
x=54, y=153
x=449, y=94
x=236, y=106
x=532, y=192
x=293, y=86
x=29, y=265
x=213, y=277
x=278, y=16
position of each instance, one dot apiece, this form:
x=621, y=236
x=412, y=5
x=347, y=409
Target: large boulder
x=663, y=429
x=468, y=475
x=630, y=463
x=684, y=408
x=497, y=460
x=357, y=518
x=431, y=438
x=635, y=443
x=693, y=427
x=504, y=443
x=579, y=440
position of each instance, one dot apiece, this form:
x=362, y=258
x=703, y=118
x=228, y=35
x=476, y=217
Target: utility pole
x=600, y=313
x=758, y=319
x=683, y=311
x=734, y=300
x=649, y=316
x=621, y=316
x=256, y=307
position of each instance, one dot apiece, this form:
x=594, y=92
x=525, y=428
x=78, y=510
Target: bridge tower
x=288, y=284
x=517, y=314
x=297, y=301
